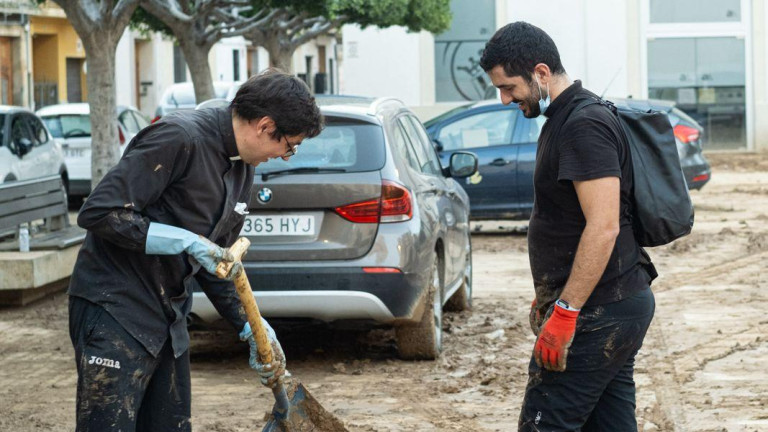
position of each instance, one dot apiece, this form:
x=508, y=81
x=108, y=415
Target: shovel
x=295, y=409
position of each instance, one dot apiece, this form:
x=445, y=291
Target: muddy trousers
x=596, y=392
x=121, y=386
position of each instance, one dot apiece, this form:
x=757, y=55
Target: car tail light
x=394, y=205
x=686, y=134
x=120, y=134
x=155, y=119
x=700, y=178
x=381, y=270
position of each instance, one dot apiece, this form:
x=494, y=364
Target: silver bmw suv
x=362, y=223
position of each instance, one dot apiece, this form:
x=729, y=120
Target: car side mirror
x=463, y=164
x=24, y=146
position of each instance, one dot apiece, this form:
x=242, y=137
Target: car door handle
x=499, y=162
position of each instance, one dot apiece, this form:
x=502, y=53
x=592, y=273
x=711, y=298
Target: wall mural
x=458, y=75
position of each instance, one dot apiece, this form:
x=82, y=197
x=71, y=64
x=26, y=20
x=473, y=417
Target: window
x=2, y=129
x=479, y=130
x=706, y=78
x=343, y=144
x=236, y=65
x=179, y=65
x=38, y=131
x=422, y=146
x=695, y=11
x=401, y=147
x=19, y=130
x=140, y=119
x=527, y=130
x=128, y=122
x=69, y=126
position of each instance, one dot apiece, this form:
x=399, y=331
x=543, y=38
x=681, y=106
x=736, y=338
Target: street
x=702, y=367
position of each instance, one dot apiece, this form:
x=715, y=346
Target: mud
x=701, y=369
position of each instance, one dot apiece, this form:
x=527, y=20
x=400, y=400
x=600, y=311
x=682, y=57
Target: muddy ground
x=702, y=367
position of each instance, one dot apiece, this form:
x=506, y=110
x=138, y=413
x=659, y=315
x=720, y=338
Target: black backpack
x=662, y=209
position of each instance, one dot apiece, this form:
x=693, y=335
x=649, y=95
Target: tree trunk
x=105, y=147
x=197, y=61
x=280, y=55
x=100, y=24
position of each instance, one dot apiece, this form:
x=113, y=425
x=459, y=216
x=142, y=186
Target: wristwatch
x=564, y=304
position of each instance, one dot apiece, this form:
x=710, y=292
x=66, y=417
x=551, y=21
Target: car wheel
x=461, y=300
x=423, y=340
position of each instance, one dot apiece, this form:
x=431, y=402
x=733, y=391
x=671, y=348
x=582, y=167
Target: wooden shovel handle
x=243, y=287
x=238, y=250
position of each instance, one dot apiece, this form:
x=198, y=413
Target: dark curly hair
x=518, y=47
x=282, y=97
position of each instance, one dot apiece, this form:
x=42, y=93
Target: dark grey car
x=362, y=223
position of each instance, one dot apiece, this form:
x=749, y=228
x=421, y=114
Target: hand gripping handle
x=243, y=287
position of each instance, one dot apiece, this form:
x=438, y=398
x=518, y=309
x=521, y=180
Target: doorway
x=697, y=56
x=6, y=72
x=74, y=80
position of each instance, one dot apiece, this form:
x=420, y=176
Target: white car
x=27, y=149
x=71, y=125
x=181, y=96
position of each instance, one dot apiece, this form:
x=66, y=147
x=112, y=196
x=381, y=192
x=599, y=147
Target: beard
x=530, y=105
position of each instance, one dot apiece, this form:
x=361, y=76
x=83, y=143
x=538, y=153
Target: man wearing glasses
x=158, y=224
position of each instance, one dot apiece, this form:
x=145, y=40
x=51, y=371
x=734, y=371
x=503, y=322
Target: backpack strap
x=592, y=100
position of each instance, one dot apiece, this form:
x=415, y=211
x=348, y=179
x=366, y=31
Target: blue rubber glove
x=170, y=240
x=269, y=373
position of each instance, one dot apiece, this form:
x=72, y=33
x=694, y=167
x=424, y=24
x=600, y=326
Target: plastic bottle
x=23, y=238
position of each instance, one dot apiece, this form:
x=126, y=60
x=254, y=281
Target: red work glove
x=551, y=349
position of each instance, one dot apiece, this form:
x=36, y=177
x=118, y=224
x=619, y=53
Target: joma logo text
x=104, y=362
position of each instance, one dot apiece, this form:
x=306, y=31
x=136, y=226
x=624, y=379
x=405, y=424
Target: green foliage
x=146, y=23
x=416, y=15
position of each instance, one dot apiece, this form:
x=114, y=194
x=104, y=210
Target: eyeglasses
x=292, y=149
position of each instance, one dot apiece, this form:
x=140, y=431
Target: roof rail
x=376, y=104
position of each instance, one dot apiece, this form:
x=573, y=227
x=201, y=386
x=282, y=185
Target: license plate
x=275, y=225
x=73, y=153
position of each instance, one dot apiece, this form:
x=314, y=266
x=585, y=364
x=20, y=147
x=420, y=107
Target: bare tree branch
x=291, y=22
x=258, y=21
x=317, y=30
x=121, y=8
x=166, y=10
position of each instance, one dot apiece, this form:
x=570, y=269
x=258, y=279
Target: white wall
x=591, y=36
x=222, y=61
x=125, y=67
x=389, y=62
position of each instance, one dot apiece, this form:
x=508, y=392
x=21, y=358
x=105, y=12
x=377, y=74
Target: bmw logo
x=265, y=195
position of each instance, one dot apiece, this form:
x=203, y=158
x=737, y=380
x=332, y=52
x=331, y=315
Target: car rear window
x=343, y=144
x=2, y=128
x=69, y=125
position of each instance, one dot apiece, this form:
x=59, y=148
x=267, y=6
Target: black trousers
x=121, y=386
x=596, y=392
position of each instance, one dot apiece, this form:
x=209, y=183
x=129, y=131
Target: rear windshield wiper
x=301, y=170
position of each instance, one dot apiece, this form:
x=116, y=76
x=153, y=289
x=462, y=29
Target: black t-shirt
x=576, y=146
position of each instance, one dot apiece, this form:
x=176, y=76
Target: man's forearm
x=592, y=256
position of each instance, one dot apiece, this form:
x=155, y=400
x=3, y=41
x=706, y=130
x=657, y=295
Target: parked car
x=27, y=149
x=361, y=224
x=505, y=144
x=71, y=125
x=181, y=96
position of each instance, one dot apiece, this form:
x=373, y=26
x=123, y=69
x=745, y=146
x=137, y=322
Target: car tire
x=461, y=300
x=423, y=340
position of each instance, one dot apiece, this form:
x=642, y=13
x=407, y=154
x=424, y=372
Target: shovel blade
x=305, y=414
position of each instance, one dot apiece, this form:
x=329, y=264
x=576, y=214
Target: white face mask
x=543, y=103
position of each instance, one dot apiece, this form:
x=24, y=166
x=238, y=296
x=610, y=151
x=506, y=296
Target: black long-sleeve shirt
x=182, y=171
